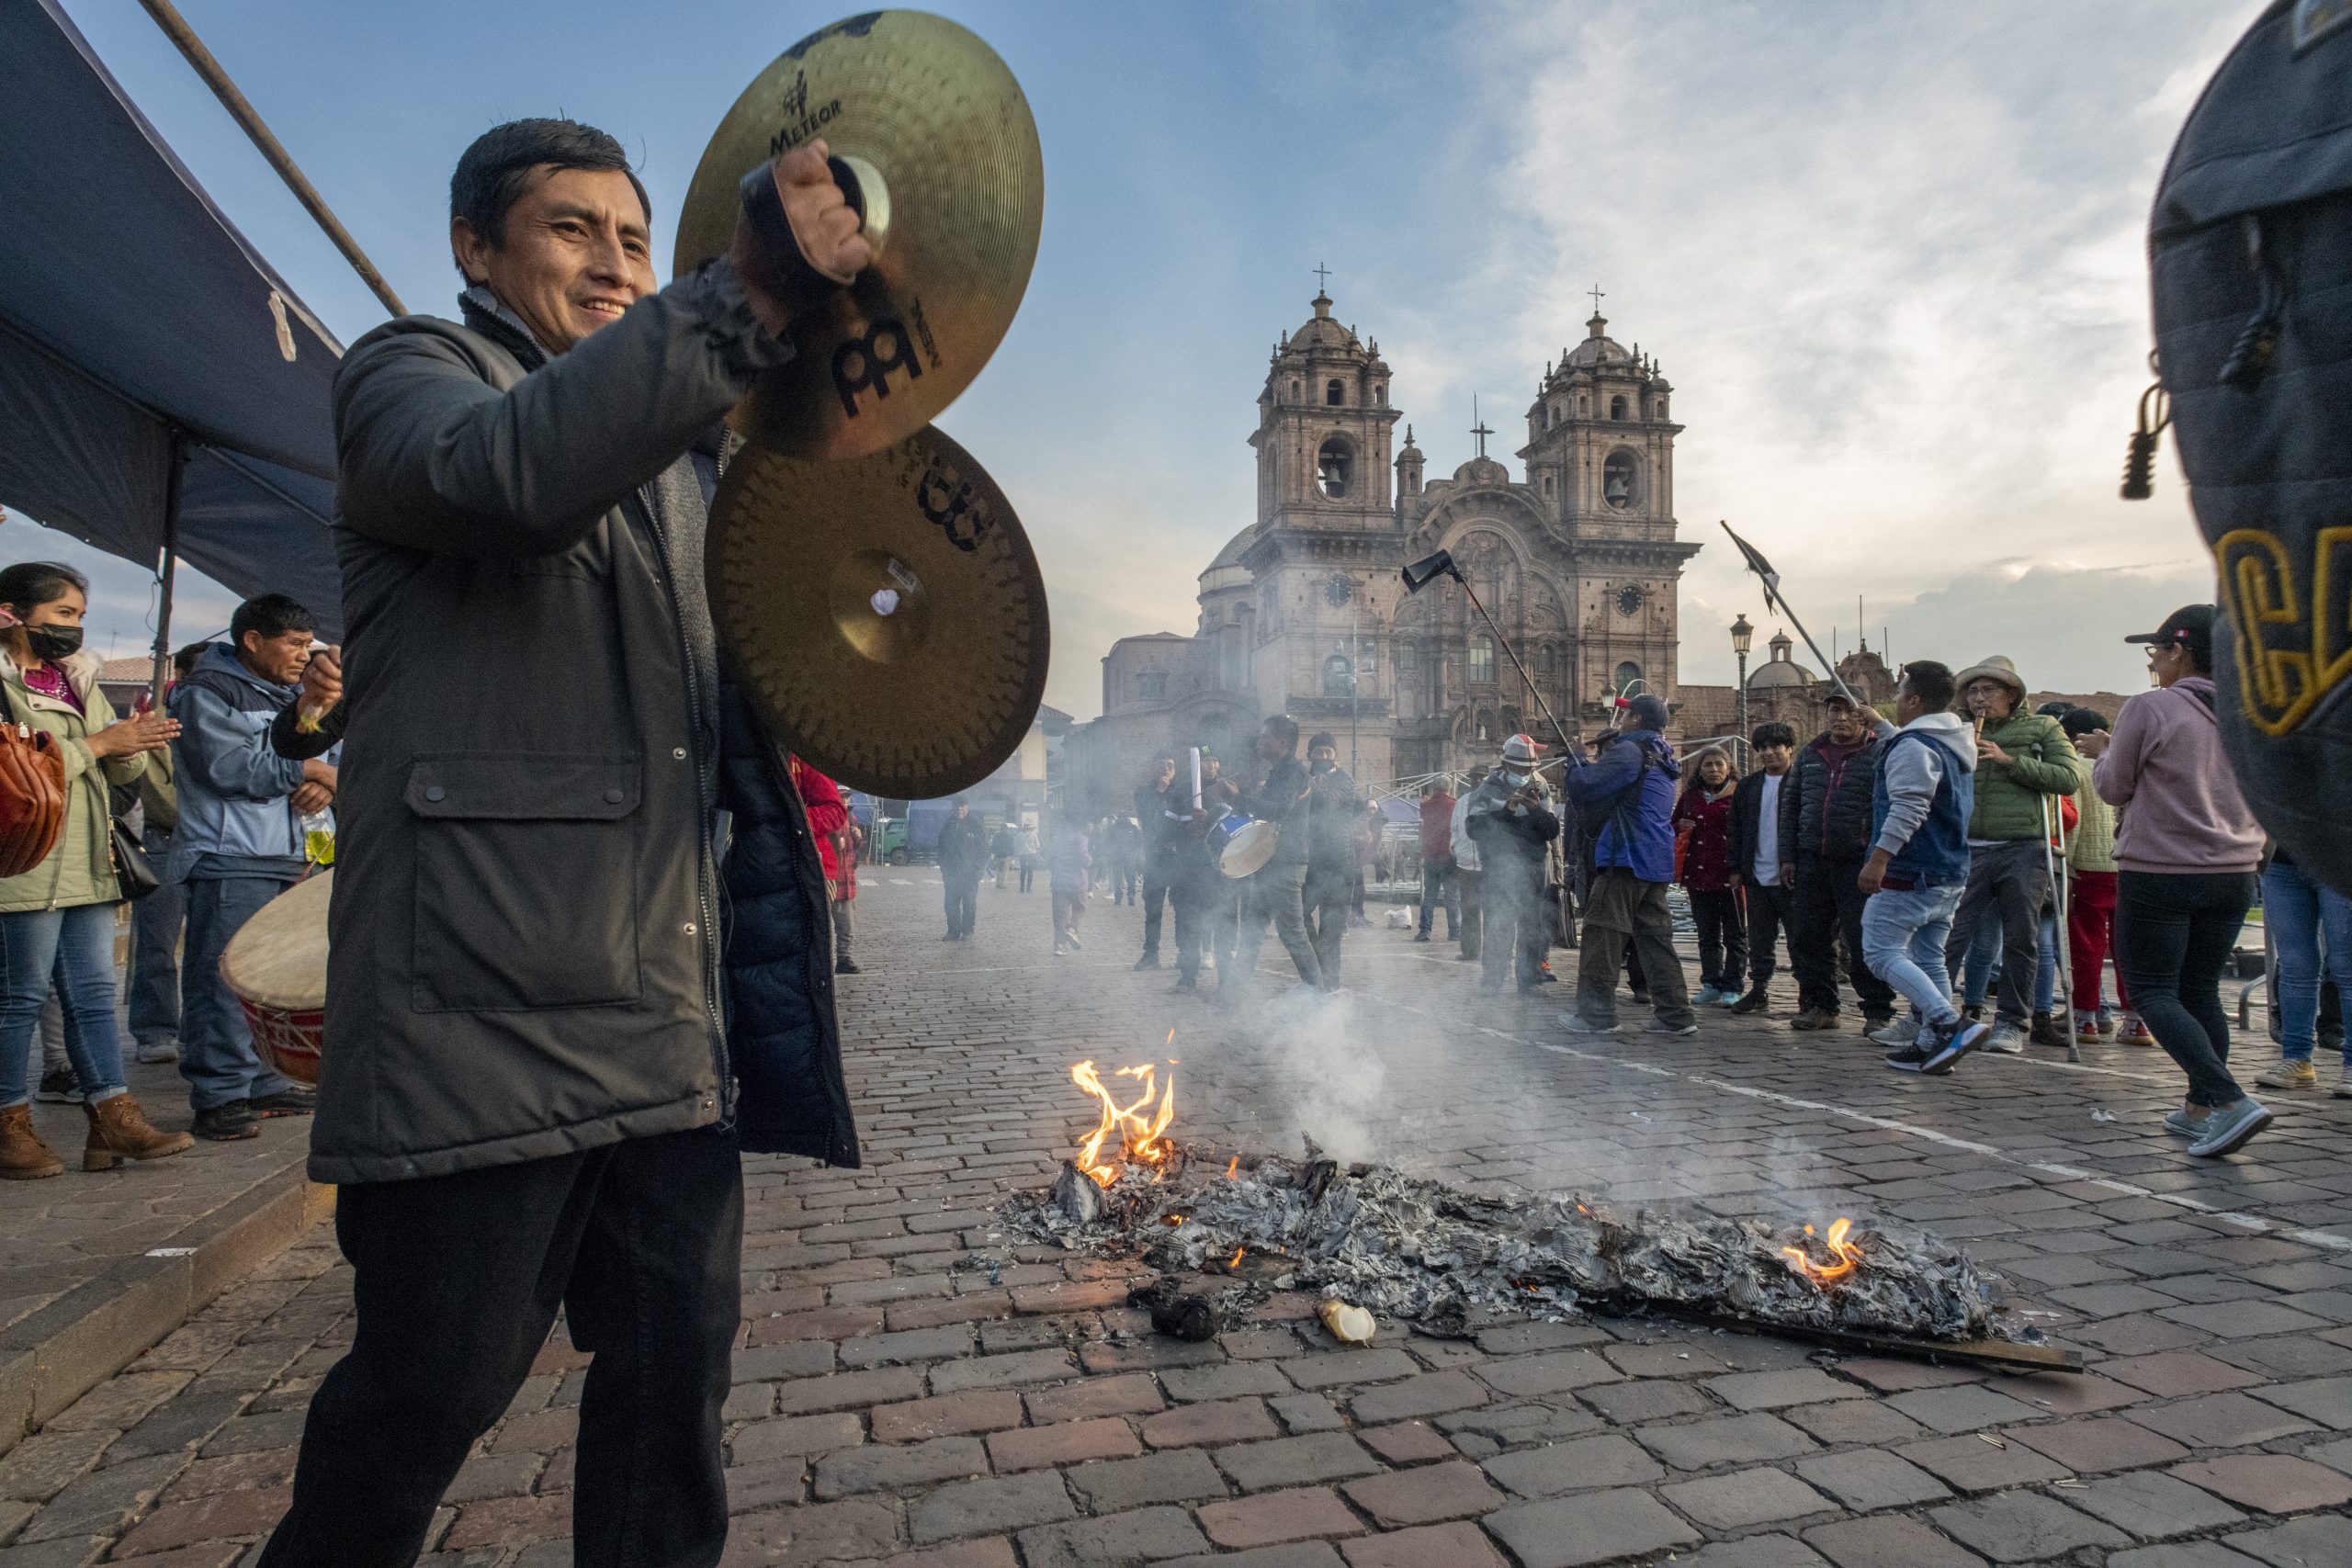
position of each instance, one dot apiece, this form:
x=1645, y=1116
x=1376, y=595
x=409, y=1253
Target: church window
x=1617, y=480
x=1331, y=466
x=1409, y=657
x=1616, y=407
x=1482, y=660
x=1335, y=392
x=1547, y=484
x=1152, y=684
x=1628, y=674
x=1547, y=659
x=1294, y=389
x=1338, y=681
x=1368, y=658
x=1584, y=405
x=1547, y=416
x=1380, y=396
x=1658, y=412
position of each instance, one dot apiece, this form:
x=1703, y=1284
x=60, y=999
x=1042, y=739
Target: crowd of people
x=203, y=811
x=1955, y=875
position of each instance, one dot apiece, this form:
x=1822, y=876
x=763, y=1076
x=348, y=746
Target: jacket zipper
x=705, y=851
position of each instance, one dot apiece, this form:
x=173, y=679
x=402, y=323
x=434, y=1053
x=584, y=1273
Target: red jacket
x=1437, y=825
x=827, y=816
x=1706, y=860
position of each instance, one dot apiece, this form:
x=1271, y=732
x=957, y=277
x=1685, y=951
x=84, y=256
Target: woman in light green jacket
x=57, y=920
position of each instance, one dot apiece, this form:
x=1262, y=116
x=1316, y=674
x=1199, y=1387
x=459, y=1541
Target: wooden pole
x=169, y=569
x=184, y=36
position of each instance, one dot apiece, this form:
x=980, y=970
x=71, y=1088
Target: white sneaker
x=1896, y=1032
x=2227, y=1129
x=2006, y=1039
x=2344, y=1086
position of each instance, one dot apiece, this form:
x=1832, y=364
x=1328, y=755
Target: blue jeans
x=217, y=1055
x=74, y=949
x=1977, y=971
x=2297, y=910
x=1439, y=888
x=1903, y=942
x=154, y=944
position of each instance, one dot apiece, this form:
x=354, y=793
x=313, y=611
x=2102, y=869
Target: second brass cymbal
x=941, y=149
x=884, y=615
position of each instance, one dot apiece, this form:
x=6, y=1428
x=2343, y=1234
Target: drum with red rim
x=277, y=967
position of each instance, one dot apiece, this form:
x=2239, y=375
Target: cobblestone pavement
x=892, y=1403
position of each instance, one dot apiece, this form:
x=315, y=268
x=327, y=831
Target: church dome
x=1598, y=348
x=1320, y=330
x=1231, y=554
x=1481, y=471
x=1779, y=669
x=1781, y=673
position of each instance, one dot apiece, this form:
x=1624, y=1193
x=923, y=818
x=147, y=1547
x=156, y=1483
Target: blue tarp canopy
x=135, y=319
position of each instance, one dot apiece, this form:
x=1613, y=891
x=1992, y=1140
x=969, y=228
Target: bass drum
x=277, y=967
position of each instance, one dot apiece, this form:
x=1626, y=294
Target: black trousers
x=963, y=900
x=1828, y=913
x=458, y=1281
x=1474, y=908
x=1769, y=910
x=1328, y=898
x=1723, y=937
x=1160, y=874
x=2173, y=937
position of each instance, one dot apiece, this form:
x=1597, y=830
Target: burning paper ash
x=1449, y=1262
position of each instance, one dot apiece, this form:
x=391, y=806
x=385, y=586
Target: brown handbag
x=32, y=793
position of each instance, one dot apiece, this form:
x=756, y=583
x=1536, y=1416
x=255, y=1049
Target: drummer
x=528, y=1096
x=1277, y=890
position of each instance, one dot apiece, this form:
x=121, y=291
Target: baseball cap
x=2191, y=626
x=1649, y=712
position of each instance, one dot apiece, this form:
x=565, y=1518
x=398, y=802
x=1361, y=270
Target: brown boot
x=120, y=1131
x=23, y=1156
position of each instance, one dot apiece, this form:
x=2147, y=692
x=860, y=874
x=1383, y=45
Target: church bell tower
x=1323, y=431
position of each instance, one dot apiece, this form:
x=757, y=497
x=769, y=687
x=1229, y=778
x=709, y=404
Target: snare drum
x=277, y=967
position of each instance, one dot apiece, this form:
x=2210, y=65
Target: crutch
x=2061, y=948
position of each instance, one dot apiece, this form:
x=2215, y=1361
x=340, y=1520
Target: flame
x=1234, y=1262
x=1231, y=1166
x=1848, y=1256
x=1138, y=1126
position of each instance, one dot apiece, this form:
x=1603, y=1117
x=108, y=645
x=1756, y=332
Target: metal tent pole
x=184, y=36
x=168, y=571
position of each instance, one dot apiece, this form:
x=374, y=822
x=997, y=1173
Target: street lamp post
x=1743, y=637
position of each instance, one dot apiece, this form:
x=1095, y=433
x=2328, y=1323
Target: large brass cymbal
x=945, y=158
x=884, y=613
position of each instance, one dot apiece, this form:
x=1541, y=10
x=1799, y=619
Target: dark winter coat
x=527, y=957
x=1832, y=801
x=963, y=846
x=1746, y=807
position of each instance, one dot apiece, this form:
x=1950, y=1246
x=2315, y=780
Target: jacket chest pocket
x=526, y=881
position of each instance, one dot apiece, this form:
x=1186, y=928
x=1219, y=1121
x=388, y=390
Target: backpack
x=2250, y=253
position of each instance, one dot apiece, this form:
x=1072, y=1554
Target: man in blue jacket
x=238, y=845
x=1918, y=866
x=1632, y=775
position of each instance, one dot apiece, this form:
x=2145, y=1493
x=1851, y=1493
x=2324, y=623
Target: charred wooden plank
x=2007, y=1354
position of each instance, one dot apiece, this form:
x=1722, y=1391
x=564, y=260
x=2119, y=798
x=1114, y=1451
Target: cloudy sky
x=1890, y=257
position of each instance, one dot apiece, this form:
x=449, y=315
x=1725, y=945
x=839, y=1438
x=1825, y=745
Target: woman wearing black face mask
x=58, y=919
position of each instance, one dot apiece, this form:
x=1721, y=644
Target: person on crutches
x=2054, y=856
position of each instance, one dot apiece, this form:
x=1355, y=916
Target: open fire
x=1138, y=1126
x=1449, y=1262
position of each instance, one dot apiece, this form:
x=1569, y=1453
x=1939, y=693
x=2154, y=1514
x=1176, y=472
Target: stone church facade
x=1303, y=611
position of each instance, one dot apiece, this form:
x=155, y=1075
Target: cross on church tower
x=1596, y=298
x=1478, y=427
x=1322, y=278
